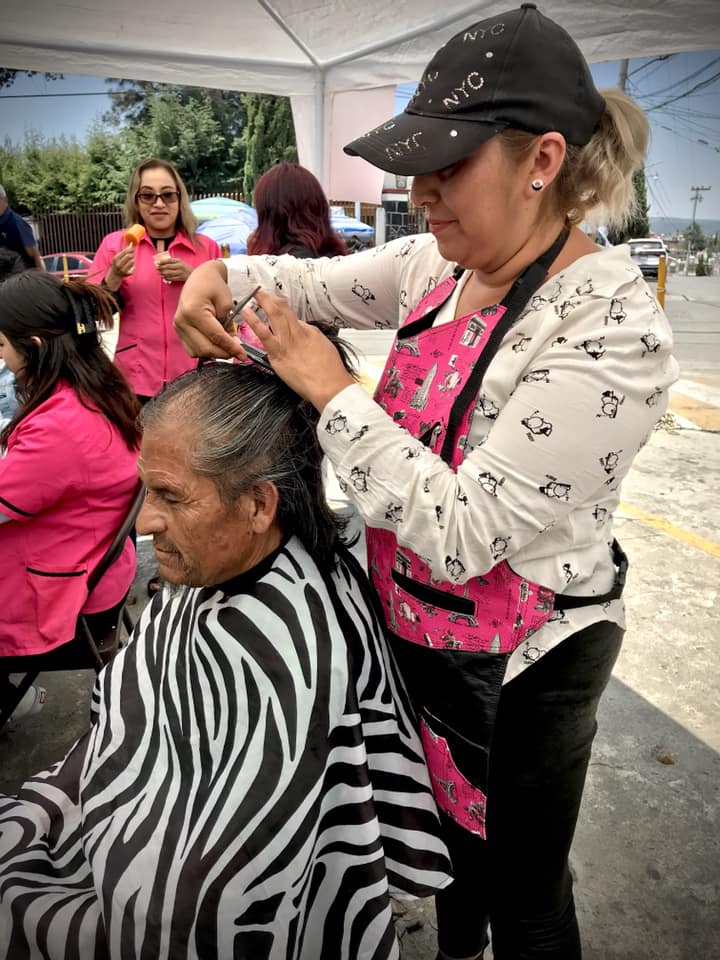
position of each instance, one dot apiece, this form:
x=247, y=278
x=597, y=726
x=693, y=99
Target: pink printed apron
x=430, y=385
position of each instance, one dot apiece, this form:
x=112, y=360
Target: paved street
x=647, y=852
x=693, y=306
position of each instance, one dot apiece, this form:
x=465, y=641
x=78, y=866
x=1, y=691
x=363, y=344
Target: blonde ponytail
x=595, y=182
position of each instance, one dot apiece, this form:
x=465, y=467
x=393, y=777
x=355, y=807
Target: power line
x=690, y=76
x=656, y=198
x=680, y=96
x=692, y=120
x=649, y=63
x=689, y=139
x=30, y=96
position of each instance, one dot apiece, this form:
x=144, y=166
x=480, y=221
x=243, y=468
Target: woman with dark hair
x=149, y=274
x=293, y=215
x=69, y=469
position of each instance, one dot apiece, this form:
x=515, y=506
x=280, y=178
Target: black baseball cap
x=515, y=70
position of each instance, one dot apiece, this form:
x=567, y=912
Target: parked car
x=75, y=264
x=646, y=254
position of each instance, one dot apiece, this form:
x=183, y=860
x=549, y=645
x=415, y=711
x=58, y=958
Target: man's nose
x=149, y=519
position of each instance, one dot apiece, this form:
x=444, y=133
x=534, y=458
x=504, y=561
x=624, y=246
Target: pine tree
x=269, y=137
x=639, y=224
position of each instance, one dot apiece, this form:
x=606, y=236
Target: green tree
x=44, y=174
x=639, y=224
x=8, y=77
x=269, y=137
x=188, y=134
x=694, y=237
x=110, y=159
x=130, y=100
x=136, y=107
x=701, y=267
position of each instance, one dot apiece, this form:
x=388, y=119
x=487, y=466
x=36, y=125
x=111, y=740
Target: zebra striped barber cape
x=252, y=788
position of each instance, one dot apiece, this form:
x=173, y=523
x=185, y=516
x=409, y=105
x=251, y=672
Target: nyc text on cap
x=517, y=70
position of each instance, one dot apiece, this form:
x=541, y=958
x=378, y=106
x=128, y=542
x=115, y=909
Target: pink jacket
x=66, y=484
x=149, y=352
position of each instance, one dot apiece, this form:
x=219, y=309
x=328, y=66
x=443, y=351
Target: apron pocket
x=446, y=752
x=428, y=595
x=58, y=597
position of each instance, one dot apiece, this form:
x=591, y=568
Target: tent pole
x=300, y=44
x=320, y=127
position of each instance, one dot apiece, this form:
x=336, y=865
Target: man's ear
x=37, y=341
x=265, y=498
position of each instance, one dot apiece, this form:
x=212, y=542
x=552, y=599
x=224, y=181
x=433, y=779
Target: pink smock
x=148, y=351
x=66, y=484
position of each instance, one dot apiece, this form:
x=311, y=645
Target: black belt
x=564, y=601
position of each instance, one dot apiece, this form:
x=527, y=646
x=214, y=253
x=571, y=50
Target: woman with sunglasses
x=147, y=277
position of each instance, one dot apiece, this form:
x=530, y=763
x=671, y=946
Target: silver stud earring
x=537, y=185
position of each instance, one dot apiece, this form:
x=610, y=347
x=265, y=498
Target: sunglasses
x=149, y=196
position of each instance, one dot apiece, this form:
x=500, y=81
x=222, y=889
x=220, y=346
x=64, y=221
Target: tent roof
x=285, y=46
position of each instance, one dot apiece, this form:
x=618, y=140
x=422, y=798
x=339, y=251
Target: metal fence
x=417, y=220
x=368, y=211
x=80, y=232
x=83, y=230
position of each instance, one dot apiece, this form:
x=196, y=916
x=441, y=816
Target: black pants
x=518, y=880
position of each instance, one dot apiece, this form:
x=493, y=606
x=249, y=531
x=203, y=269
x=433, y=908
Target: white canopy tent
x=322, y=54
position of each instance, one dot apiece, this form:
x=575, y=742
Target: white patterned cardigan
x=570, y=397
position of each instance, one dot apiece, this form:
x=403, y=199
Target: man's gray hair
x=2, y=191
x=246, y=427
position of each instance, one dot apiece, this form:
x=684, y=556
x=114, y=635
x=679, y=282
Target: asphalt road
x=693, y=307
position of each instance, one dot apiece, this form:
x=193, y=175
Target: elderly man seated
x=253, y=786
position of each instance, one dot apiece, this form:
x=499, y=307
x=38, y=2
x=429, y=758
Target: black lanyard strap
x=423, y=323
x=514, y=301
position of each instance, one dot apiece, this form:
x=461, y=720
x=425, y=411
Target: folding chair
x=97, y=638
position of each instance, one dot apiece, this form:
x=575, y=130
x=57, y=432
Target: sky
x=684, y=149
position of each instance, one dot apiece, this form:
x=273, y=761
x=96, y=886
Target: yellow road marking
x=702, y=414
x=664, y=526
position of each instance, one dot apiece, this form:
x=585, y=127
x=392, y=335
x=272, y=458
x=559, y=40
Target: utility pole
x=622, y=79
x=694, y=199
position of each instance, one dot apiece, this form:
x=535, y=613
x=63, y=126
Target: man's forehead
x=168, y=441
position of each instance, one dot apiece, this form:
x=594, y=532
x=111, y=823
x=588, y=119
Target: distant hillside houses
x=672, y=226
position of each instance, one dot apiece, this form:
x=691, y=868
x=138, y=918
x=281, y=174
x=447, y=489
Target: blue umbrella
x=348, y=226
x=232, y=229
x=211, y=207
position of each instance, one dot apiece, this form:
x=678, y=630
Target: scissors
x=256, y=355
x=239, y=306
x=253, y=353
